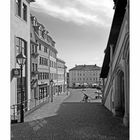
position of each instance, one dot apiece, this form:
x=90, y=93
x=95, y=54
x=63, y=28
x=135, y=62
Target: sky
x=80, y=28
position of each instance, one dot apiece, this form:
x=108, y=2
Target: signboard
x=16, y=72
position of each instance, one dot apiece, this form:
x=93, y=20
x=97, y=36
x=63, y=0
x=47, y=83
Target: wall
x=19, y=28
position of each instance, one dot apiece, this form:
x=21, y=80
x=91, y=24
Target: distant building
x=20, y=43
x=115, y=68
x=84, y=75
x=61, y=76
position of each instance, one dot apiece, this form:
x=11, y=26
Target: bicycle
x=85, y=99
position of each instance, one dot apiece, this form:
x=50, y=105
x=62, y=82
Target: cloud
x=98, y=12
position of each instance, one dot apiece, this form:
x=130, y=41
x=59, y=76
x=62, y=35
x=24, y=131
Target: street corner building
x=115, y=68
x=43, y=74
x=84, y=76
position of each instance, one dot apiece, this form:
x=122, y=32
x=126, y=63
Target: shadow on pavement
x=74, y=121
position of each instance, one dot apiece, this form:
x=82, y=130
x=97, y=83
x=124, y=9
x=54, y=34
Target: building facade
x=52, y=67
x=39, y=73
x=34, y=54
x=20, y=43
x=115, y=68
x=46, y=67
x=84, y=75
x=61, y=76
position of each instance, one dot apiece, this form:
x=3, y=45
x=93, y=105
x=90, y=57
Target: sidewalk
x=48, y=109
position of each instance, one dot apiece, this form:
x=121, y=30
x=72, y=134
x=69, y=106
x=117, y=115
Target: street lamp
x=51, y=82
x=21, y=58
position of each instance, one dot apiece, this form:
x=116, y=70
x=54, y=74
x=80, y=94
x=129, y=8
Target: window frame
x=18, y=7
x=24, y=11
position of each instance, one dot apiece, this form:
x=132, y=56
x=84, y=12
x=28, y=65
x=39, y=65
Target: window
x=36, y=49
x=24, y=12
x=32, y=48
x=40, y=61
x=32, y=66
x=36, y=67
x=21, y=46
x=18, y=7
x=39, y=46
x=45, y=49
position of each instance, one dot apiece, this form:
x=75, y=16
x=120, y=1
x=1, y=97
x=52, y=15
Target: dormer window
x=43, y=33
x=34, y=22
x=40, y=31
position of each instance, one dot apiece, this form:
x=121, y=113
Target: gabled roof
x=85, y=68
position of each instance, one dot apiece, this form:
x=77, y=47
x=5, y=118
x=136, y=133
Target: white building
x=20, y=42
x=84, y=75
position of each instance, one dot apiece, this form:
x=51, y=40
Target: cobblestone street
x=69, y=119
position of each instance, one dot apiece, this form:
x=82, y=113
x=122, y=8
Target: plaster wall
x=19, y=28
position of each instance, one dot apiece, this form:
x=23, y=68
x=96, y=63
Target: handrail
x=15, y=108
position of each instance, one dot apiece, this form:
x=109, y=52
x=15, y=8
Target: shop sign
x=16, y=72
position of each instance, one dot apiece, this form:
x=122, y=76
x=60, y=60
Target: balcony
x=34, y=54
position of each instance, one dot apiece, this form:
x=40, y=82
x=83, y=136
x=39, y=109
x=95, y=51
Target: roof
x=114, y=33
x=45, y=43
x=85, y=67
x=60, y=60
x=30, y=1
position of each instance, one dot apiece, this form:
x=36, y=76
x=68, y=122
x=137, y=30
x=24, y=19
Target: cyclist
x=85, y=98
